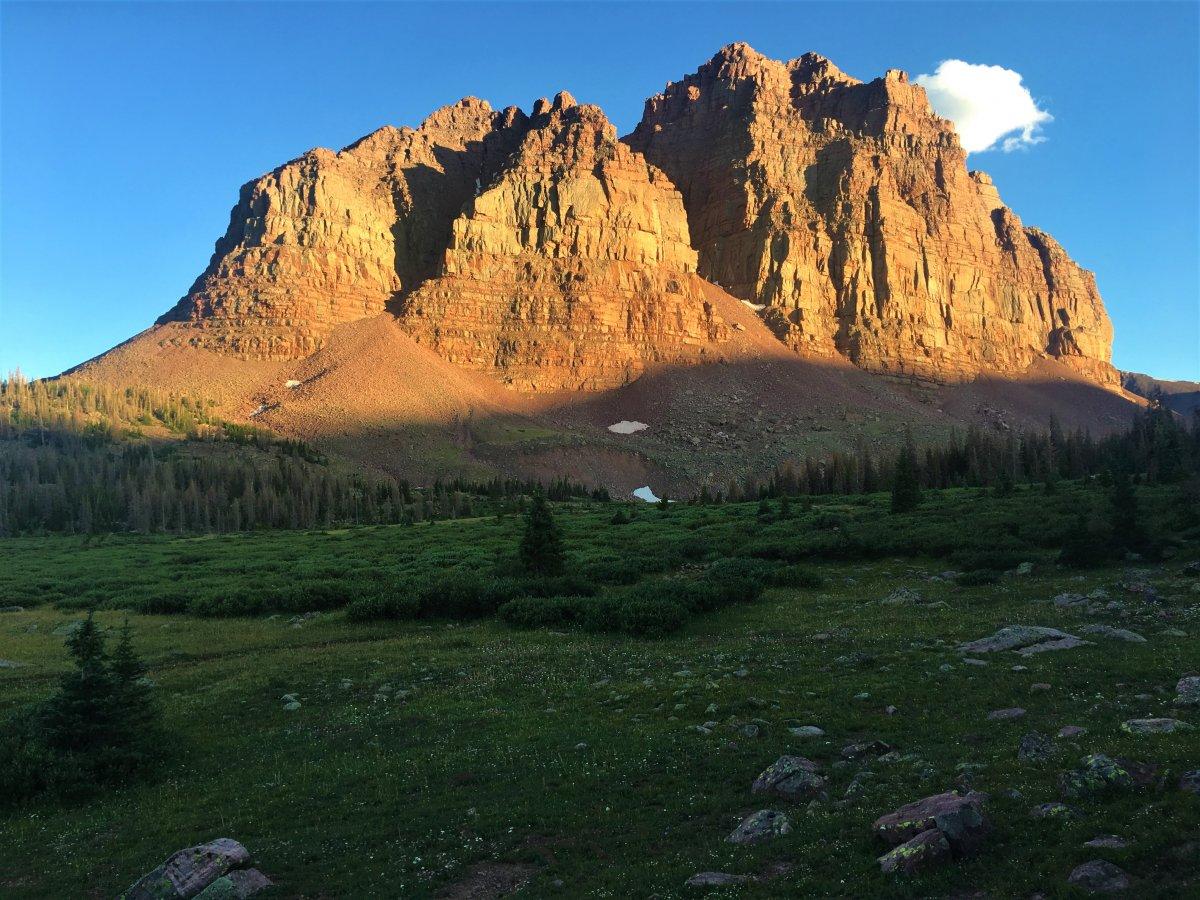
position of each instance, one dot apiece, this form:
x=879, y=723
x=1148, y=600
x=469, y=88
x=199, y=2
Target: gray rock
x=1013, y=637
x=1099, y=877
x=959, y=817
x=1188, y=690
x=1190, y=781
x=1154, y=726
x=1107, y=842
x=1071, y=731
x=10, y=664
x=1058, y=812
x=714, y=879
x=792, y=778
x=969, y=661
x=67, y=628
x=806, y=731
x=12, y=609
x=1005, y=715
x=927, y=850
x=188, y=872
x=1070, y=642
x=865, y=748
x=237, y=885
x=1120, y=634
x=1068, y=601
x=901, y=597
x=1099, y=774
x=761, y=826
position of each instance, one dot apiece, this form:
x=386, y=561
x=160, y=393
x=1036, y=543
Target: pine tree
x=906, y=484
x=1122, y=497
x=82, y=716
x=541, y=550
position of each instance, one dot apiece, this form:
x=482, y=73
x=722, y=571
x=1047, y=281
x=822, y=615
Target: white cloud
x=988, y=105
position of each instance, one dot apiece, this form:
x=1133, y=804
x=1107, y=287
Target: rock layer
x=847, y=208
x=573, y=269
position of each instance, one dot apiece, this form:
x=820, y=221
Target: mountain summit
x=809, y=229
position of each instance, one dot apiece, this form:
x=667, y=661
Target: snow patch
x=644, y=493
x=292, y=383
x=627, y=427
x=757, y=307
x=262, y=408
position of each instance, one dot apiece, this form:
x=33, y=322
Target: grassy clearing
x=425, y=747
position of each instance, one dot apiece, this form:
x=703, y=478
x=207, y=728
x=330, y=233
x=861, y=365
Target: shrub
x=541, y=549
x=646, y=617
x=795, y=576
x=971, y=560
x=544, y=612
x=383, y=606
x=468, y=596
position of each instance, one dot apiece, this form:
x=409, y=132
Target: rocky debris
x=1120, y=634
x=1098, y=774
x=1191, y=569
x=761, y=826
x=1099, y=877
x=1190, y=781
x=958, y=817
x=291, y=702
x=10, y=664
x=195, y=871
x=1071, y=731
x=1188, y=691
x=1023, y=639
x=12, y=609
x=714, y=879
x=927, y=850
x=1154, y=726
x=1034, y=747
x=792, y=778
x=1006, y=715
x=786, y=165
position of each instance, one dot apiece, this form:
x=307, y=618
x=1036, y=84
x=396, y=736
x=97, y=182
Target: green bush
x=646, y=617
x=796, y=577
x=545, y=612
x=383, y=606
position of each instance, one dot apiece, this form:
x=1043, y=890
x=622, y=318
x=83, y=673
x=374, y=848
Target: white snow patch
x=644, y=493
x=627, y=427
x=757, y=307
x=262, y=408
x=292, y=383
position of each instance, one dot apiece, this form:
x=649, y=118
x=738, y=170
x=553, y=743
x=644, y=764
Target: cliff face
x=543, y=250
x=572, y=269
x=331, y=237
x=848, y=210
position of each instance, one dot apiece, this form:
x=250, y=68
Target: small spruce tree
x=906, y=485
x=541, y=549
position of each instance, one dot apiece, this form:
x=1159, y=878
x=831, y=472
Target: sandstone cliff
x=848, y=210
x=330, y=238
x=573, y=269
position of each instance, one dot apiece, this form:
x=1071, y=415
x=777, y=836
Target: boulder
x=1016, y=637
x=959, y=817
x=714, y=879
x=1099, y=877
x=1120, y=634
x=764, y=825
x=1034, y=747
x=1190, y=781
x=792, y=778
x=188, y=872
x=925, y=851
x=865, y=748
x=1154, y=726
x=1006, y=715
x=1098, y=774
x=1188, y=691
x=237, y=885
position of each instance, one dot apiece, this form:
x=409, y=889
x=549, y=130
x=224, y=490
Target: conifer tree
x=906, y=484
x=541, y=550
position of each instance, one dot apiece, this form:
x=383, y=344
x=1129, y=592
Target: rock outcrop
x=572, y=269
x=330, y=238
x=847, y=208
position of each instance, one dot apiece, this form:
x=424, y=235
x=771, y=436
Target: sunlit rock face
x=331, y=237
x=848, y=209
x=573, y=269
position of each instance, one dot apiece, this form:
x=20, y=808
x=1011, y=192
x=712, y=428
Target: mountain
x=780, y=260
x=1181, y=396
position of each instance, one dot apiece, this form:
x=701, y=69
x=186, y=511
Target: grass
x=455, y=744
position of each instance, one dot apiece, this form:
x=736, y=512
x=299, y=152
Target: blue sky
x=126, y=129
